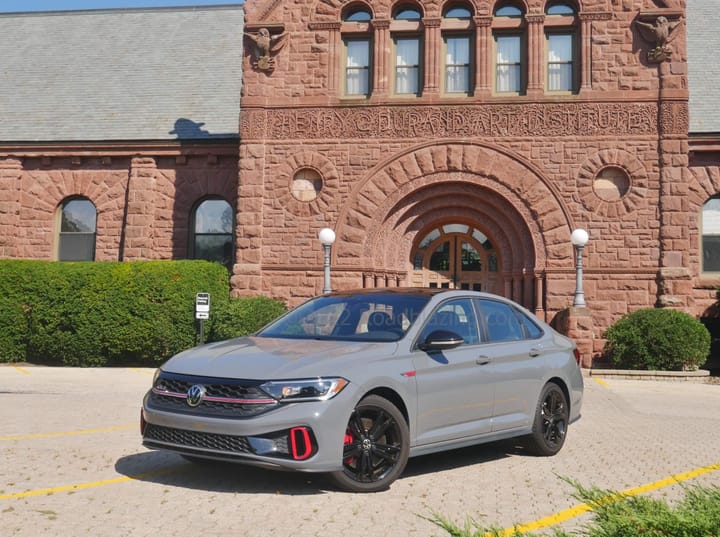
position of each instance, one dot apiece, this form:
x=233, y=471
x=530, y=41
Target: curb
x=700, y=375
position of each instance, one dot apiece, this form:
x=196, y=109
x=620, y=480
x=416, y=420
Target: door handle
x=535, y=351
x=482, y=360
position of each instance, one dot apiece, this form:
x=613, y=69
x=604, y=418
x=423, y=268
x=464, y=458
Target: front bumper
x=304, y=436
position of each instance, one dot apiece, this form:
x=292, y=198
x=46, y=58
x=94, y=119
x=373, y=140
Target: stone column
x=10, y=188
x=539, y=292
x=381, y=58
x=433, y=48
x=334, y=56
x=536, y=55
x=586, y=51
x=484, y=60
x=137, y=232
x=247, y=272
x=674, y=276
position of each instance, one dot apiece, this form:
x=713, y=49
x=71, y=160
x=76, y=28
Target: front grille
x=233, y=398
x=194, y=439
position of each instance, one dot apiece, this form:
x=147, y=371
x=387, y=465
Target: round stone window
x=611, y=184
x=306, y=185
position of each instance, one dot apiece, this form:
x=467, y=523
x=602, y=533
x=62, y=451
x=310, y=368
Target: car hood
x=275, y=358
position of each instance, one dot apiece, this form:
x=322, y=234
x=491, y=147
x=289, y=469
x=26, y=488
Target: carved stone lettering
x=387, y=122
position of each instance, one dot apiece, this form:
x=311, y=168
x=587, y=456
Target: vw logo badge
x=195, y=395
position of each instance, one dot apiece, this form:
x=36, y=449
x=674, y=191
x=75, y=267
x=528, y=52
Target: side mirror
x=440, y=340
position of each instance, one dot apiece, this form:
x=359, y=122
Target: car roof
x=428, y=292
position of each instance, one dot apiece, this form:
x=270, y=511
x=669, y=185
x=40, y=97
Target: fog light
x=301, y=446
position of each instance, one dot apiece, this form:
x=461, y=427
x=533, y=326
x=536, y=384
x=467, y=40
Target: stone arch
x=367, y=224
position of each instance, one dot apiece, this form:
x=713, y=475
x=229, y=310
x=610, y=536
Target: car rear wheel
x=375, y=447
x=551, y=422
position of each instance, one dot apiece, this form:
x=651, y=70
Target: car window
x=532, y=330
x=500, y=321
x=457, y=316
x=374, y=317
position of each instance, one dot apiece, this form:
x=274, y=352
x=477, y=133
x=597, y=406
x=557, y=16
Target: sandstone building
x=450, y=144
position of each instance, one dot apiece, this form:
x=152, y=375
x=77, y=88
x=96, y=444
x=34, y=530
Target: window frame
x=563, y=24
x=193, y=234
x=418, y=68
x=470, y=65
x=521, y=64
x=357, y=38
x=703, y=235
x=60, y=256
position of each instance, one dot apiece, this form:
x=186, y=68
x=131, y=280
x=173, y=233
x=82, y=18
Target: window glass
x=508, y=11
x=711, y=235
x=458, y=12
x=457, y=64
x=408, y=14
x=471, y=260
x=407, y=65
x=358, y=15
x=560, y=62
x=213, y=232
x=507, y=75
x=560, y=9
x=501, y=322
x=532, y=330
x=457, y=316
x=440, y=258
x=358, y=67
x=78, y=219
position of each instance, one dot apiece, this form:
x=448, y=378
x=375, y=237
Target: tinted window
x=532, y=330
x=500, y=321
x=455, y=316
x=78, y=219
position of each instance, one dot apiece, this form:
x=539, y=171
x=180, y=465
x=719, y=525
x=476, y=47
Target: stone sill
x=700, y=375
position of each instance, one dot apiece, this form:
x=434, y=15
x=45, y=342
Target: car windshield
x=352, y=317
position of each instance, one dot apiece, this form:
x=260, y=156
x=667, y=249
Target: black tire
x=551, y=422
x=376, y=447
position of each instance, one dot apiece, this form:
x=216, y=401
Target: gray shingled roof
x=140, y=74
x=703, y=40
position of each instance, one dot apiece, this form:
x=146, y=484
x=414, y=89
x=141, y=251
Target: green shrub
x=657, y=339
x=91, y=314
x=242, y=316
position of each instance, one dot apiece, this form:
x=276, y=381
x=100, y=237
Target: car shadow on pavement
x=173, y=470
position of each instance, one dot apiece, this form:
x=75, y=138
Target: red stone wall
x=150, y=198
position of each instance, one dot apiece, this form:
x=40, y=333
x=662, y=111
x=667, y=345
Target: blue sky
x=61, y=5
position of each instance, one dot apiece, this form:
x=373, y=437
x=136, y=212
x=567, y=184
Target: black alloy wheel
x=375, y=447
x=551, y=422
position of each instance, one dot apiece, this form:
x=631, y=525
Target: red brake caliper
x=348, y=440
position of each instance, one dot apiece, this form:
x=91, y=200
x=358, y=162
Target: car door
x=516, y=353
x=455, y=388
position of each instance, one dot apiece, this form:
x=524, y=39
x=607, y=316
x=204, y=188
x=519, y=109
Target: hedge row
x=94, y=314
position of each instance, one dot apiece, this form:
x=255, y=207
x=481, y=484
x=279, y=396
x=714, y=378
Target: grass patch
x=697, y=514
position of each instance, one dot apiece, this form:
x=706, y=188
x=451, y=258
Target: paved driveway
x=71, y=464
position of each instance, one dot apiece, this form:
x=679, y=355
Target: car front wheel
x=551, y=422
x=375, y=447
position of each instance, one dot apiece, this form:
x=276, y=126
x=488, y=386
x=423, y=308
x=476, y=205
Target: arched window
x=78, y=221
x=509, y=34
x=212, y=225
x=459, y=46
x=710, y=224
x=561, y=46
x=357, y=41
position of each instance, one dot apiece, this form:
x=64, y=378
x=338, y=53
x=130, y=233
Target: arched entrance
x=456, y=256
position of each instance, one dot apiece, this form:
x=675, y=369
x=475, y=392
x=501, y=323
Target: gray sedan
x=353, y=383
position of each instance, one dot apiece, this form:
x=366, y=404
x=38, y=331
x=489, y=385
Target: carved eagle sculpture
x=658, y=34
x=265, y=46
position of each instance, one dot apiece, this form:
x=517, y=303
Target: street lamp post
x=327, y=238
x=579, y=238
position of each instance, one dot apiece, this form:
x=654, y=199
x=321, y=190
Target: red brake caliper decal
x=348, y=440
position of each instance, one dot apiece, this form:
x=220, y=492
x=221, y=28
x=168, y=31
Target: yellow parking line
x=582, y=508
x=601, y=382
x=143, y=371
x=69, y=433
x=21, y=370
x=81, y=486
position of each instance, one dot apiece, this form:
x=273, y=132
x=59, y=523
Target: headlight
x=156, y=376
x=319, y=389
